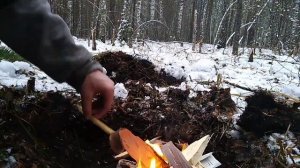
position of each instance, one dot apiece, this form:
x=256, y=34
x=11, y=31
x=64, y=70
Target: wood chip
x=174, y=156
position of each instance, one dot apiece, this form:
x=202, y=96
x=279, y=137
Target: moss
x=9, y=55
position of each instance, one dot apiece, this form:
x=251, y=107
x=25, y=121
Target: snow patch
x=120, y=91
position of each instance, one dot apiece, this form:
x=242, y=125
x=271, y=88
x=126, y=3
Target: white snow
x=17, y=73
x=120, y=91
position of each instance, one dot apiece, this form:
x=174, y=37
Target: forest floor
x=43, y=129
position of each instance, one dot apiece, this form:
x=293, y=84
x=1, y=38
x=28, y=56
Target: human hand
x=97, y=84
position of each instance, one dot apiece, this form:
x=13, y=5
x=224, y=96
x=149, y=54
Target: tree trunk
x=209, y=10
x=195, y=30
x=192, y=21
x=237, y=27
x=178, y=34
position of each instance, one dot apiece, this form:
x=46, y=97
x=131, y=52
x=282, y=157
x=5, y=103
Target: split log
x=194, y=151
x=174, y=156
x=139, y=150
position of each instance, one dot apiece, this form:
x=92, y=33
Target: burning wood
x=159, y=155
x=140, y=151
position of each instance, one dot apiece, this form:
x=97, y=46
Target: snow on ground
x=17, y=73
x=268, y=71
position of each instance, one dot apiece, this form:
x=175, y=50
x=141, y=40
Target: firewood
x=195, y=150
x=174, y=156
x=139, y=150
x=125, y=154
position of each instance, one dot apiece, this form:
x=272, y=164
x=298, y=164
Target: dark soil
x=45, y=130
x=264, y=115
x=128, y=67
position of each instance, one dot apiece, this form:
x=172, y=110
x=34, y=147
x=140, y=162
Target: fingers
x=87, y=99
x=107, y=101
x=97, y=83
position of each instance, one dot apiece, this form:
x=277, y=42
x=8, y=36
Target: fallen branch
x=238, y=86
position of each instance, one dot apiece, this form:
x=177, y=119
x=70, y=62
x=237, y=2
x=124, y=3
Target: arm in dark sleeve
x=29, y=28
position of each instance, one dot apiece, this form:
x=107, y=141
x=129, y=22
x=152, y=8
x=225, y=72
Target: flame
x=139, y=164
x=156, y=148
x=153, y=163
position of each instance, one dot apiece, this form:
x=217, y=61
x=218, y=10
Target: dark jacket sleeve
x=29, y=28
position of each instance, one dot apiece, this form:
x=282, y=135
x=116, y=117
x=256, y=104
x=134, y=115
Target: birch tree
x=181, y=3
x=152, y=9
x=295, y=28
x=125, y=29
x=138, y=18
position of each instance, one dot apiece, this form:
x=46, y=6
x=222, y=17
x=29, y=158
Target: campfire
x=158, y=154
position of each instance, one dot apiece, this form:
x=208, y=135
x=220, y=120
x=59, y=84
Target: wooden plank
x=174, y=156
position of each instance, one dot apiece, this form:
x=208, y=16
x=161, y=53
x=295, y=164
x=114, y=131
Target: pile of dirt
x=264, y=115
x=122, y=67
x=44, y=130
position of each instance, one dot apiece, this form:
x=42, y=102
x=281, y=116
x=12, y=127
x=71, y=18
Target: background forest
x=270, y=24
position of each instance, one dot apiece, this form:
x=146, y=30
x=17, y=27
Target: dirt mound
x=172, y=114
x=264, y=115
x=45, y=129
x=122, y=67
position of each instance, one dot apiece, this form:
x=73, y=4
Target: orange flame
x=139, y=164
x=152, y=164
